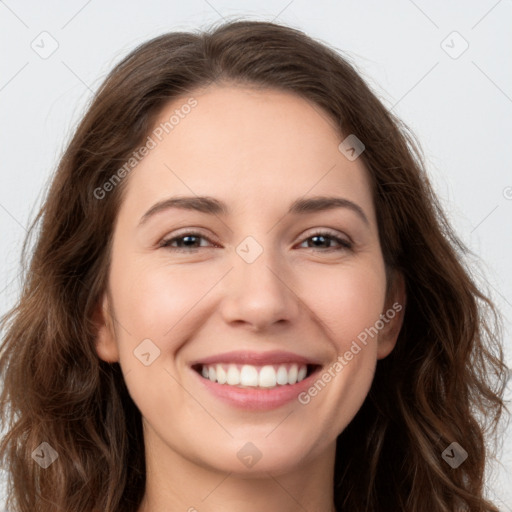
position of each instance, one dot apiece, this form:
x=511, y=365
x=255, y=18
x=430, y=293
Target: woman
x=185, y=341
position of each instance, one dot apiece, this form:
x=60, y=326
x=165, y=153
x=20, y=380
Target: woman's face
x=259, y=282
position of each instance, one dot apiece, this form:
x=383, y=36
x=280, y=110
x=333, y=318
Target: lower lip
x=256, y=399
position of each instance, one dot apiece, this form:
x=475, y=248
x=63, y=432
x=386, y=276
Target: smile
x=247, y=375
x=256, y=381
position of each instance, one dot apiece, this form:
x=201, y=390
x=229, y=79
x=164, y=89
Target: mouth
x=255, y=381
x=249, y=376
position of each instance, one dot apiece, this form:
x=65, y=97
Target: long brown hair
x=443, y=382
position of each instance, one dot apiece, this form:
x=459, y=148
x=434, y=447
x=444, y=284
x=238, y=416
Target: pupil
x=316, y=237
x=188, y=238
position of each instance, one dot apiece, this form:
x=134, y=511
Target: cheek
x=153, y=301
x=163, y=305
x=349, y=302
x=348, y=299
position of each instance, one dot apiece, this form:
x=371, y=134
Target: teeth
x=292, y=374
x=268, y=376
x=282, y=376
x=248, y=376
x=222, y=376
x=233, y=375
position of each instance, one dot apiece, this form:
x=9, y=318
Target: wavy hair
x=443, y=382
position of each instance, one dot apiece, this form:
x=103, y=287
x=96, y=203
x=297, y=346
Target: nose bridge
x=257, y=291
x=258, y=265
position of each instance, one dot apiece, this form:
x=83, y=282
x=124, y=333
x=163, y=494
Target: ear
x=392, y=317
x=106, y=346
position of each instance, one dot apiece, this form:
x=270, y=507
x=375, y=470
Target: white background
x=459, y=108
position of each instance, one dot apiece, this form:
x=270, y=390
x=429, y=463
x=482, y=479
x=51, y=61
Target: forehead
x=248, y=147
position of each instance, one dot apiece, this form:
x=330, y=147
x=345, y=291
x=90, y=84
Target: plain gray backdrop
x=441, y=67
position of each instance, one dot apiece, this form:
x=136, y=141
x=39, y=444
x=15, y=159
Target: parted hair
x=443, y=382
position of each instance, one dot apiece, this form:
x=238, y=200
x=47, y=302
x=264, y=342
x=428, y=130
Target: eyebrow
x=212, y=206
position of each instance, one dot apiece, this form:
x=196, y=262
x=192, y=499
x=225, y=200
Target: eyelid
x=191, y=230
x=342, y=239
x=327, y=231
x=187, y=231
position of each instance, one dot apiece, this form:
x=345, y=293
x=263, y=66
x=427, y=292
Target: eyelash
x=344, y=244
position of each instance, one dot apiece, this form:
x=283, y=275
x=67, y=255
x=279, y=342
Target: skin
x=296, y=296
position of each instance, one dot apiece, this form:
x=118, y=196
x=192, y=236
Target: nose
x=260, y=294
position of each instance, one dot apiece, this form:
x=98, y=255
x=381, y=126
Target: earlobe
x=106, y=346
x=392, y=316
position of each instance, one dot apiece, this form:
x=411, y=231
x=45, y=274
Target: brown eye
x=187, y=242
x=324, y=237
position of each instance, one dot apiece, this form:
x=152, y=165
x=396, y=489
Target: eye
x=189, y=239
x=188, y=242
x=322, y=237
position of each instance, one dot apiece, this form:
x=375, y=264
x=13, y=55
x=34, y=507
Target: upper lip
x=256, y=358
